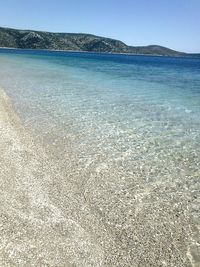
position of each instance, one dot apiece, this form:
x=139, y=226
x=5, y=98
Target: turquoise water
x=114, y=91
x=107, y=97
x=120, y=107
x=129, y=124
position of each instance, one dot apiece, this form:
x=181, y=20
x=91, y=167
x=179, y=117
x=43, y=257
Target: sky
x=171, y=23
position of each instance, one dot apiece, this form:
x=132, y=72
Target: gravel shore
x=34, y=231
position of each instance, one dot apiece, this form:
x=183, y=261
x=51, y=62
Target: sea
x=126, y=130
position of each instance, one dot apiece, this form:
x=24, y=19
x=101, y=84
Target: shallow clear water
x=107, y=98
x=130, y=124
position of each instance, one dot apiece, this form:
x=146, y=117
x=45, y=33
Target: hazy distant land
x=29, y=39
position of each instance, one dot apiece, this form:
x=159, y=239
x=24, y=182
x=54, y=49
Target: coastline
x=195, y=56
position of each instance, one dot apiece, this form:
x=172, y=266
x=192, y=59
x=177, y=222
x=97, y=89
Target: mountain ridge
x=31, y=39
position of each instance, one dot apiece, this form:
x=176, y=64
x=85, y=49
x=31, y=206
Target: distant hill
x=29, y=39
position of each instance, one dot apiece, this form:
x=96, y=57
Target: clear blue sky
x=171, y=23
